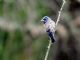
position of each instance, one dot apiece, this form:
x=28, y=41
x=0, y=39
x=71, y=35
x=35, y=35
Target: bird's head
x=45, y=19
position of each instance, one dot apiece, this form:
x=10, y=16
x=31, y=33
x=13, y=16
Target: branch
x=60, y=12
x=47, y=53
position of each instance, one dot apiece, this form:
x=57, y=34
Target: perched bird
x=50, y=27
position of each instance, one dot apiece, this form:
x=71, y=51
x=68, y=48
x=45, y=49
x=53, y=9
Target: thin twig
x=60, y=12
x=50, y=43
x=47, y=53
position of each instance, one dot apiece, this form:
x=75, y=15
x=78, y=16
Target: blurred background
x=22, y=35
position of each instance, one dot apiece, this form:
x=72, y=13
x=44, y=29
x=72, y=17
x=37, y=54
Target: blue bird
x=50, y=27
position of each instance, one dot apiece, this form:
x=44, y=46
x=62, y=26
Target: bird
x=49, y=25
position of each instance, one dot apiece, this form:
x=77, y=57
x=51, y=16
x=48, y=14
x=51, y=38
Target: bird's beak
x=42, y=20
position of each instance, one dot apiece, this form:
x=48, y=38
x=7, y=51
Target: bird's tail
x=51, y=35
x=53, y=39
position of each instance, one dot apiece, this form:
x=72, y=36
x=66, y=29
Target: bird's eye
x=44, y=19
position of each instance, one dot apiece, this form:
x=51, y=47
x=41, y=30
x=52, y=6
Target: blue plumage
x=50, y=34
x=45, y=19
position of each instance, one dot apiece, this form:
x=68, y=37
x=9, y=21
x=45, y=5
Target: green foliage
x=1, y=7
x=11, y=5
x=21, y=15
x=3, y=38
x=18, y=41
x=16, y=46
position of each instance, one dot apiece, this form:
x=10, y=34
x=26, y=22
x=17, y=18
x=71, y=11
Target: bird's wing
x=52, y=26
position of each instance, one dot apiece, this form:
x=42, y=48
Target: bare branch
x=47, y=53
x=60, y=12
